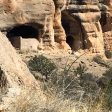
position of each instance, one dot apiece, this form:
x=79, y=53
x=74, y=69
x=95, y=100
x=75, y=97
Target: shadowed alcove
x=106, y=21
x=73, y=30
x=106, y=24
x=70, y=41
x=25, y=31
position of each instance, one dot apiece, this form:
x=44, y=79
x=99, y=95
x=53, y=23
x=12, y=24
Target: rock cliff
x=81, y=24
x=17, y=85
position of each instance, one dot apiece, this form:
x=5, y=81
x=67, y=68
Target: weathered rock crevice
x=3, y=83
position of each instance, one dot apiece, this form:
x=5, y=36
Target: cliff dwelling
x=73, y=30
x=106, y=24
x=76, y=23
x=24, y=36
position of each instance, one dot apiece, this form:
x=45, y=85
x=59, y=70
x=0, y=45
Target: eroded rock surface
x=17, y=84
x=81, y=24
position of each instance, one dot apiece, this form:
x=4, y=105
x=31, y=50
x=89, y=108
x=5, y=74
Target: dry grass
x=99, y=60
x=3, y=82
x=74, y=90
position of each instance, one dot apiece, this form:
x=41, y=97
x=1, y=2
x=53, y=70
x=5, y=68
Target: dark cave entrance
x=23, y=31
x=106, y=25
x=103, y=21
x=74, y=31
x=70, y=41
x=106, y=22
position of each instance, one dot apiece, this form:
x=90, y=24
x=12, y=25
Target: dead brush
x=3, y=81
x=72, y=89
x=75, y=90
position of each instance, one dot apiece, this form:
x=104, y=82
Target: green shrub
x=109, y=95
x=81, y=69
x=108, y=54
x=3, y=82
x=105, y=97
x=108, y=92
x=42, y=64
x=98, y=59
x=108, y=73
x=76, y=85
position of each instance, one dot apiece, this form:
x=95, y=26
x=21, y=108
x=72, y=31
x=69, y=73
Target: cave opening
x=105, y=22
x=103, y=19
x=106, y=25
x=81, y=2
x=24, y=31
x=73, y=30
x=70, y=41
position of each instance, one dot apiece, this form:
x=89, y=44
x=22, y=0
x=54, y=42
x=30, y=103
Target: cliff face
x=81, y=24
x=17, y=84
x=87, y=17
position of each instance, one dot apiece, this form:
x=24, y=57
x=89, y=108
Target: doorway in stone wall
x=70, y=41
x=73, y=30
x=26, y=31
x=106, y=22
x=106, y=25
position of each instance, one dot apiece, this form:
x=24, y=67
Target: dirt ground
x=65, y=59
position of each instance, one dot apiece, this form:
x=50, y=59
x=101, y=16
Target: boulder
x=17, y=84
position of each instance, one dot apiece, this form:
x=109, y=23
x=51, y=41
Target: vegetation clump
x=3, y=81
x=108, y=54
x=42, y=65
x=98, y=59
x=75, y=87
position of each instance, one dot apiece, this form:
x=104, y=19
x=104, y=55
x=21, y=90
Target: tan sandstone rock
x=17, y=84
x=82, y=24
